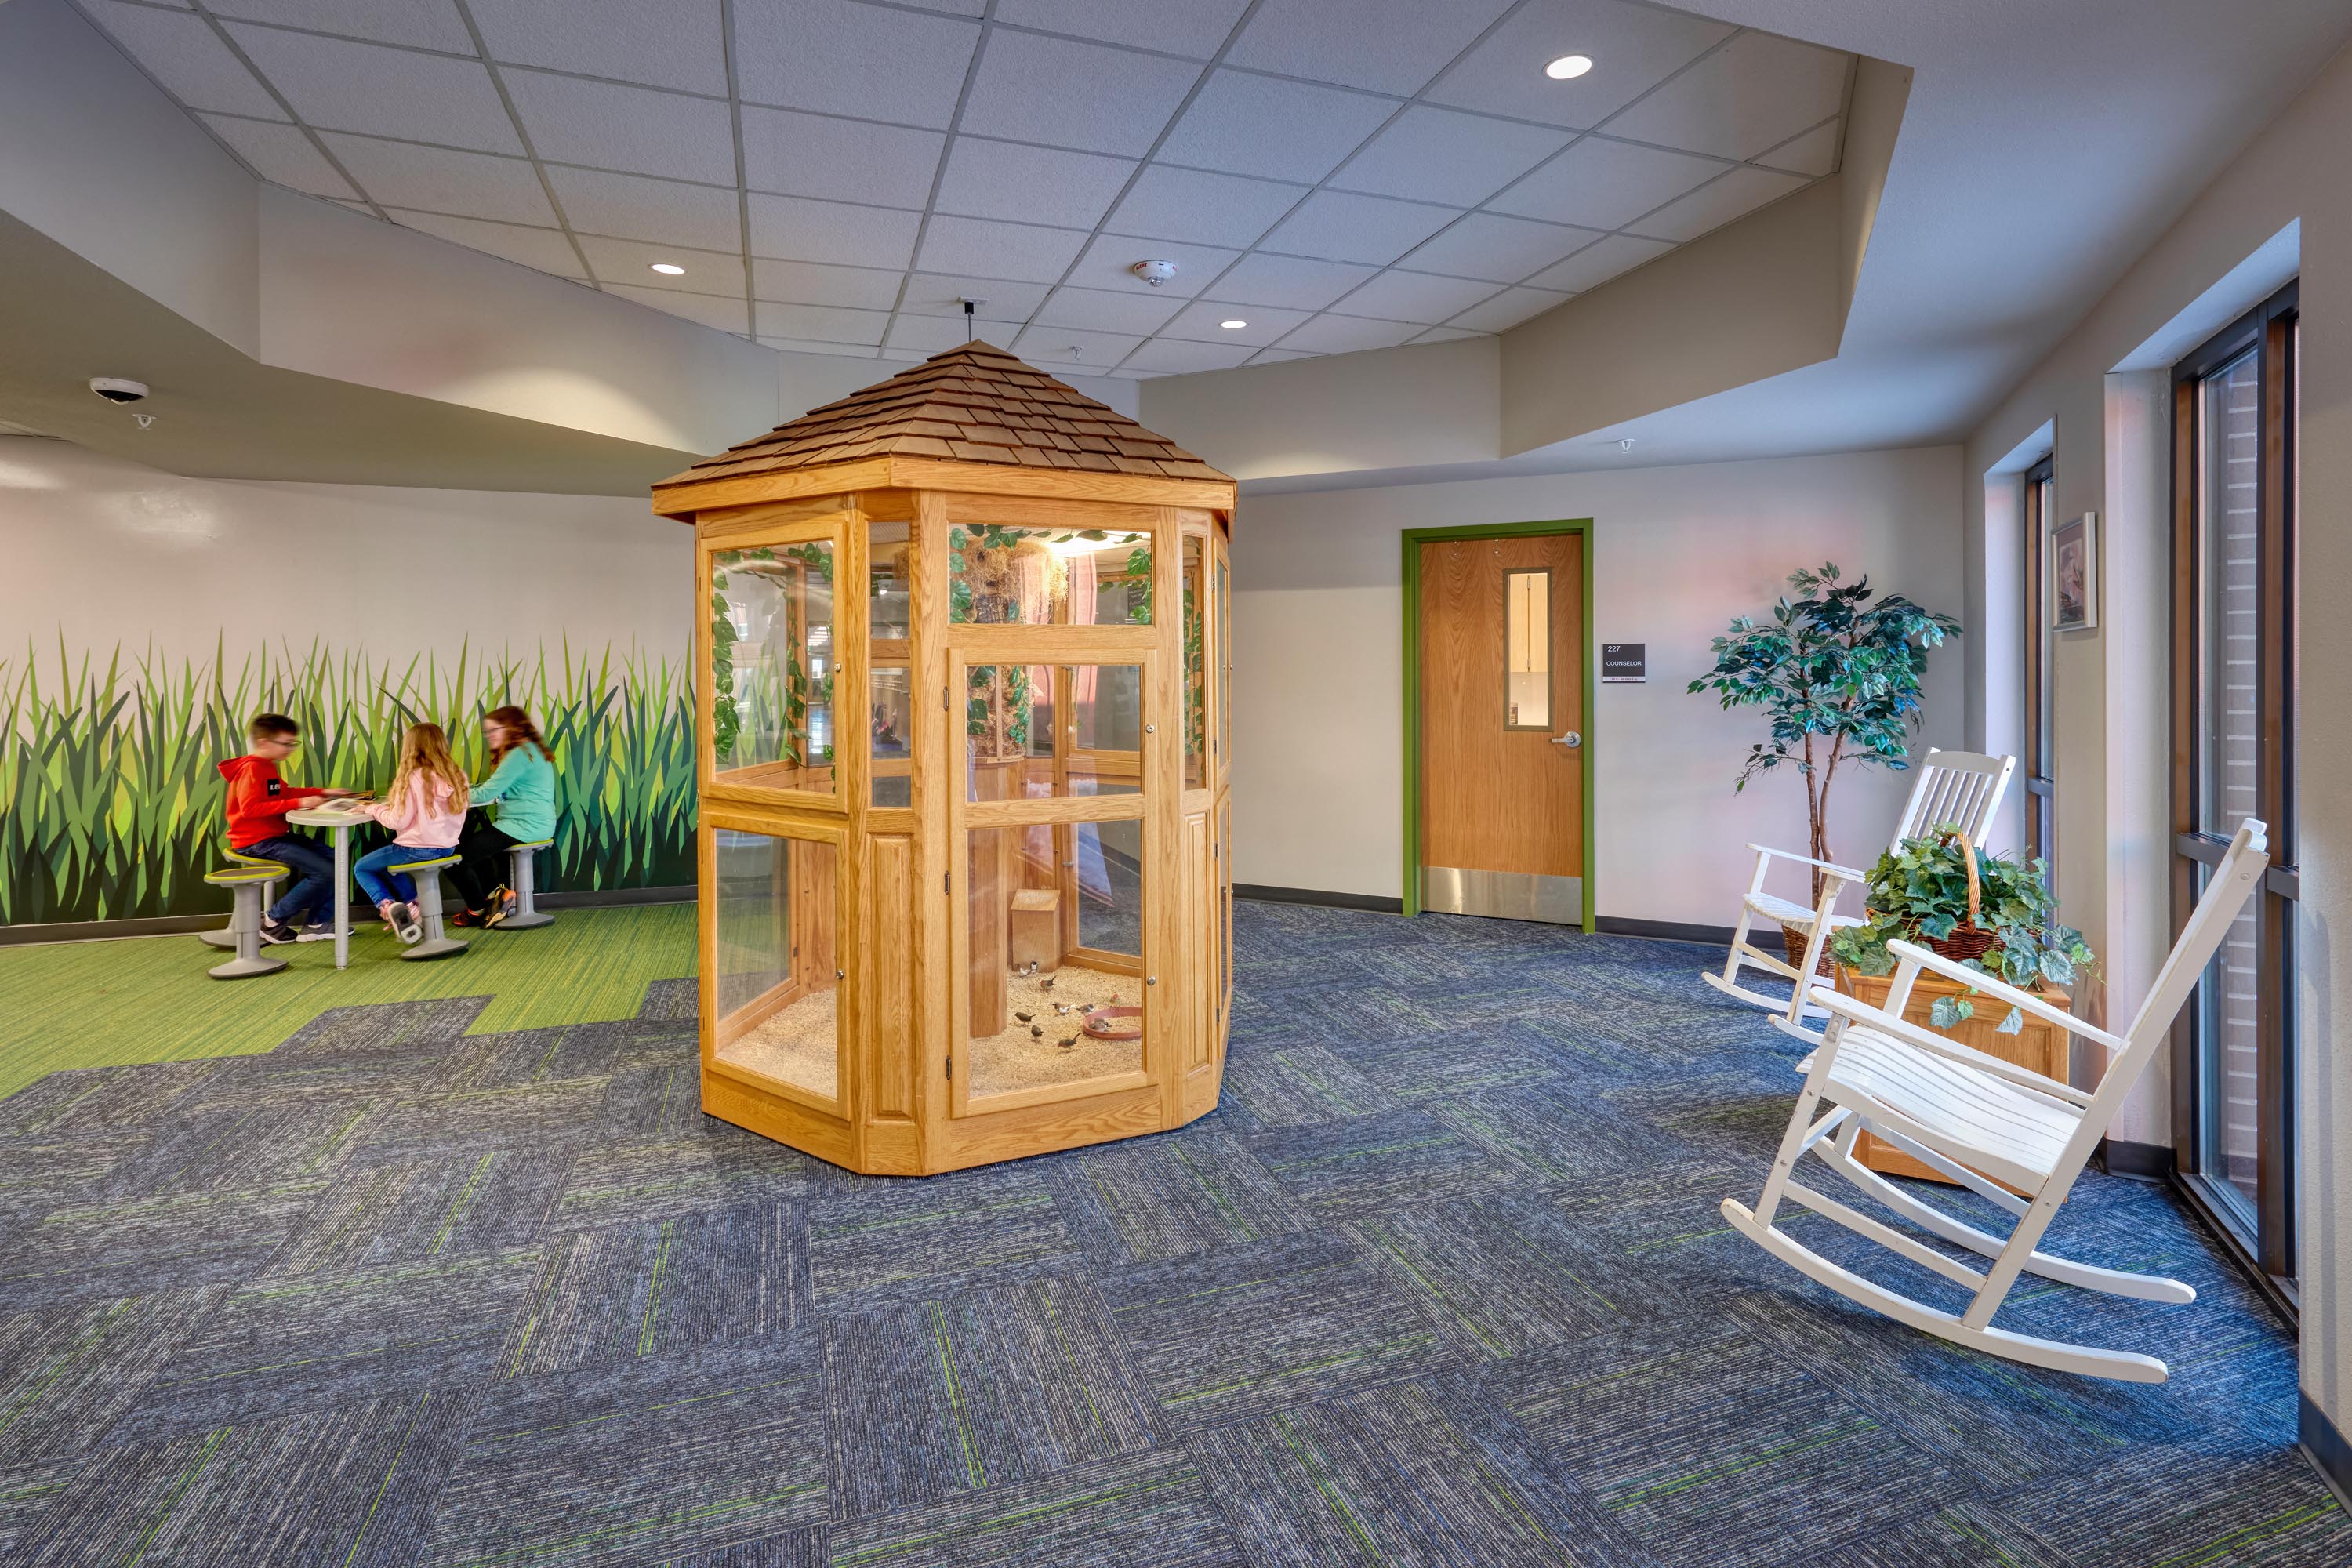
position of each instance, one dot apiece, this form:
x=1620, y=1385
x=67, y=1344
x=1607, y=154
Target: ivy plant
x=1836, y=669
x=1919, y=892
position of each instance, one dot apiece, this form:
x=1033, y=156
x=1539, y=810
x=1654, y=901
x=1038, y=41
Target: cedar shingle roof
x=976, y=403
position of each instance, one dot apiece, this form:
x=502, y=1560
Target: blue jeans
x=397, y=886
x=313, y=865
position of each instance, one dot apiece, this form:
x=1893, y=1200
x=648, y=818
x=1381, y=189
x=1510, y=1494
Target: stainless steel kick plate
x=1503, y=895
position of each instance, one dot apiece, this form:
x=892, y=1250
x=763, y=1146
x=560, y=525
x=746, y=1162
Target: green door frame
x=1414, y=538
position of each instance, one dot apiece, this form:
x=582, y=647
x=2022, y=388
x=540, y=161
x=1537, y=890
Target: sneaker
x=502, y=905
x=464, y=918
x=277, y=931
x=408, y=923
x=324, y=932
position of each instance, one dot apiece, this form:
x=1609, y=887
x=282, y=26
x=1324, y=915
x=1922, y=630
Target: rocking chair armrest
x=2001, y=990
x=1832, y=866
x=1855, y=1011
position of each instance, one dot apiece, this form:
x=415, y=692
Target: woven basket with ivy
x=1988, y=911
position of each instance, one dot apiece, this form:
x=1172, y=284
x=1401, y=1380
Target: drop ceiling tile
x=1176, y=356
x=1508, y=309
x=811, y=346
x=1070, y=94
x=282, y=153
x=1397, y=295
x=1755, y=92
x=1505, y=249
x=1202, y=321
x=952, y=8
x=825, y=323
x=919, y=336
x=1030, y=184
x=1606, y=184
x=1242, y=124
x=635, y=206
x=183, y=53
x=1598, y=262
x=426, y=24
x=379, y=92
x=1387, y=46
x=1448, y=336
x=661, y=43
x=1049, y=348
x=1106, y=261
x=725, y=315
x=630, y=262
x=1275, y=356
x=811, y=283
x=1197, y=27
x=633, y=128
x=439, y=179
x=988, y=247
x=1442, y=155
x=796, y=154
x=796, y=228
x=840, y=57
x=906, y=356
x=944, y=294
x=1633, y=48
x=542, y=250
x=1288, y=282
x=1194, y=204
x=1338, y=225
x=1813, y=152
x=1329, y=334
x=1141, y=311
x=1736, y=195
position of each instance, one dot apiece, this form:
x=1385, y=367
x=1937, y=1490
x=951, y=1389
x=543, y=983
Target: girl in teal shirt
x=522, y=784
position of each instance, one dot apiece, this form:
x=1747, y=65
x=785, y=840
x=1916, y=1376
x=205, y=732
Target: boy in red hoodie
x=258, y=800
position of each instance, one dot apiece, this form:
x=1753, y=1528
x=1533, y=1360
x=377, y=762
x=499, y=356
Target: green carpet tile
x=148, y=999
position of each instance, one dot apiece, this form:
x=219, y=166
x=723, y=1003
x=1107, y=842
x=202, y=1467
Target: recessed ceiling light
x=1236, y=325
x=1569, y=67
x=669, y=268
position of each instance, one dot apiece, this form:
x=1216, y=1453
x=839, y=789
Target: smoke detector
x=1154, y=272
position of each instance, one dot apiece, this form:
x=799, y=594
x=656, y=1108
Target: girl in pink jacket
x=425, y=808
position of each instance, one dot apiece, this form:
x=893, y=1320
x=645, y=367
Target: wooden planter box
x=2043, y=1047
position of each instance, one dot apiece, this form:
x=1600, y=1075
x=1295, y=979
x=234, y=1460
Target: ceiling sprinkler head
x=1154, y=272
x=1625, y=443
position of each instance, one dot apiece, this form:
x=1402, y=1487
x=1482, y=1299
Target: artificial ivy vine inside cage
x=787, y=692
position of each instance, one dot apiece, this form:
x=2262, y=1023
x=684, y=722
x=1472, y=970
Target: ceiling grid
x=1341, y=175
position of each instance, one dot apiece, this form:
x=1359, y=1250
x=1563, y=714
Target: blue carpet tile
x=1443, y=1281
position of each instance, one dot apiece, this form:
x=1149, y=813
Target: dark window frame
x=2041, y=771
x=2269, y=1252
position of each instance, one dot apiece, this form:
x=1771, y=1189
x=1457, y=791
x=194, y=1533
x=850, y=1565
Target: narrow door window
x=1527, y=662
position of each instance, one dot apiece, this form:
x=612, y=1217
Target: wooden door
x=1502, y=711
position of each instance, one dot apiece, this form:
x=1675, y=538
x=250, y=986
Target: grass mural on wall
x=110, y=803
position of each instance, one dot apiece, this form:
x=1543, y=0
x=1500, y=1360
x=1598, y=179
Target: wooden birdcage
x=964, y=692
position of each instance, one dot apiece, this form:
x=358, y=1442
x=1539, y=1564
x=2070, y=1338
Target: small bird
x=1024, y=1017
x=1035, y=1033
x=1065, y=1045
x=1086, y=1007
x=1060, y=1008
x=1046, y=983
x=1032, y=969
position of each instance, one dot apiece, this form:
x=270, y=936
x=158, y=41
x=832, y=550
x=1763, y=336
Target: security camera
x=114, y=389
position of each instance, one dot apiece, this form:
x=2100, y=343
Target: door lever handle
x=1571, y=740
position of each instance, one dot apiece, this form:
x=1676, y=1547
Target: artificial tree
x=1837, y=670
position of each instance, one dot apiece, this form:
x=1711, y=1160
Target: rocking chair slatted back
x=1961, y=789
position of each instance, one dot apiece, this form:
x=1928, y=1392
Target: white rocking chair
x=1960, y=789
x=1971, y=1116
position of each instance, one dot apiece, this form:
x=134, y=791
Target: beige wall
x=1678, y=551
x=2113, y=739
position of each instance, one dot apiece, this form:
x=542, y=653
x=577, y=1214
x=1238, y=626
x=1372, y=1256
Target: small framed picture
x=2074, y=569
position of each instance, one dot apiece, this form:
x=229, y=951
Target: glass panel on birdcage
x=999, y=575
x=1196, y=667
x=1041, y=731
x=771, y=653
x=777, y=970
x=1041, y=1012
